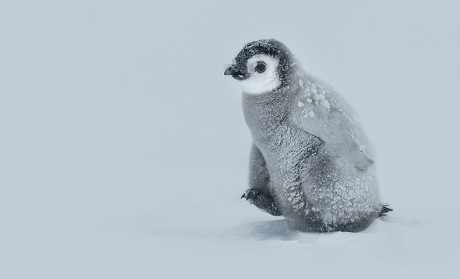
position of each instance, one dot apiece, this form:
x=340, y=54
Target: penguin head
x=262, y=66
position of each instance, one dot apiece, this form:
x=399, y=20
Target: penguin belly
x=312, y=189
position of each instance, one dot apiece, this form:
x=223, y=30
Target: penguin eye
x=261, y=66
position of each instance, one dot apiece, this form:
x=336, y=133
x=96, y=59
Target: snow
x=123, y=149
x=325, y=103
x=318, y=97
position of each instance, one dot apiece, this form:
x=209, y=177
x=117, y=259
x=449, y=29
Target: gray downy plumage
x=310, y=160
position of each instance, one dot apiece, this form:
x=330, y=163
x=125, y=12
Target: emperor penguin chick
x=310, y=160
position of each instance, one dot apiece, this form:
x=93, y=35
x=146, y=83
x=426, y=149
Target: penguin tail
x=385, y=209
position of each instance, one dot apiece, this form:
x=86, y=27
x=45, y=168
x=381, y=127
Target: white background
x=123, y=149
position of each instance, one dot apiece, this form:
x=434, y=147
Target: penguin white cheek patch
x=264, y=82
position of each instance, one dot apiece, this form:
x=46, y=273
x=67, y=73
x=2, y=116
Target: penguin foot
x=263, y=201
x=385, y=210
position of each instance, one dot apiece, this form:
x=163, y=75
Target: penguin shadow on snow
x=274, y=230
x=285, y=230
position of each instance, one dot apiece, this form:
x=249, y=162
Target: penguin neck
x=266, y=112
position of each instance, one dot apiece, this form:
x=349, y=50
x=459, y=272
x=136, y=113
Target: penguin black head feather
x=255, y=59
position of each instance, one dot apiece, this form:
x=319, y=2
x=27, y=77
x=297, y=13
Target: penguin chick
x=310, y=160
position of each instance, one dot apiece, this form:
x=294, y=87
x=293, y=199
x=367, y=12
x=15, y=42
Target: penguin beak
x=236, y=72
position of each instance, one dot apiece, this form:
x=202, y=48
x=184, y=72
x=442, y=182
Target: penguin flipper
x=363, y=162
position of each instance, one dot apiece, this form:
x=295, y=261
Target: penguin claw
x=249, y=194
x=261, y=200
x=385, y=209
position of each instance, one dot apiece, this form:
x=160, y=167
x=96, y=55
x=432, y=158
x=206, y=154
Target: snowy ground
x=123, y=149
